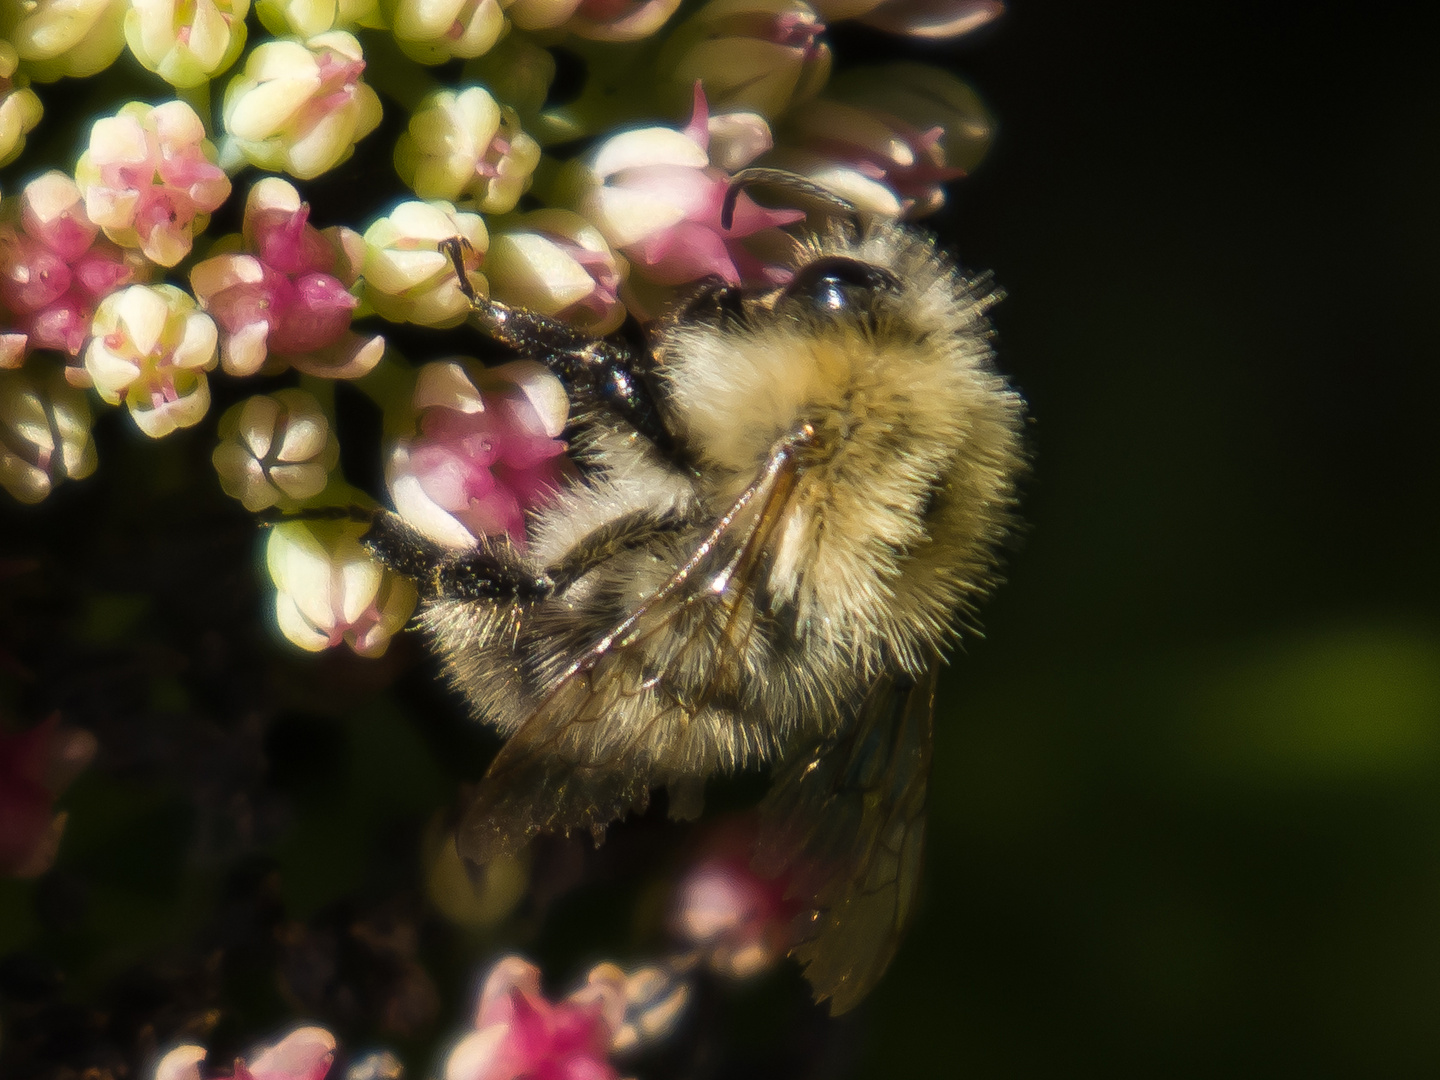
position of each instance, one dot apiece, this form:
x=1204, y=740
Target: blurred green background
x=1186, y=810
x=1186, y=803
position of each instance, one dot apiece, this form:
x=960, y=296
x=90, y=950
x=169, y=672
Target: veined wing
x=590, y=752
x=845, y=823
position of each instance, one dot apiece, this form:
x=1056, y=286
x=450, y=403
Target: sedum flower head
x=59, y=38
x=307, y=18
x=20, y=108
x=751, y=55
x=465, y=147
x=188, y=42
x=150, y=179
x=275, y=450
x=330, y=590
x=915, y=18
x=304, y=1054
x=556, y=263
x=408, y=278
x=281, y=291
x=44, y=433
x=486, y=450
x=55, y=267
x=151, y=349
x=434, y=31
x=300, y=107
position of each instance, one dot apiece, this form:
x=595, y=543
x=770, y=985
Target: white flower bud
x=301, y=108
x=408, y=278
x=151, y=349
x=186, y=43
x=330, y=589
x=275, y=449
x=466, y=147
x=44, y=433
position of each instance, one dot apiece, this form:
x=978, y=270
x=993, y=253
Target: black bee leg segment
x=403, y=549
x=440, y=572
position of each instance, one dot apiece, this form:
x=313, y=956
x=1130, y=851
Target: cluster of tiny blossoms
x=114, y=293
x=725, y=920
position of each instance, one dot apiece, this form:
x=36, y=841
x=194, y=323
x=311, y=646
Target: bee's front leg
x=610, y=373
x=493, y=571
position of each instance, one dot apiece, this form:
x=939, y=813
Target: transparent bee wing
x=845, y=822
x=592, y=750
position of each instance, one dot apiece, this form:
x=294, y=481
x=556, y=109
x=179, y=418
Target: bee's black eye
x=835, y=284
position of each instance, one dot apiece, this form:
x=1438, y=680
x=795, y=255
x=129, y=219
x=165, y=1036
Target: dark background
x=1185, y=812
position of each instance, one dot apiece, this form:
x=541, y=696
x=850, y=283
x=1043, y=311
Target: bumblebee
x=789, y=500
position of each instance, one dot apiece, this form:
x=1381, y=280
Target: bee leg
x=609, y=373
x=441, y=573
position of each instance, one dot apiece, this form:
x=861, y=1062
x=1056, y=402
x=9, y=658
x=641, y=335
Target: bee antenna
x=780, y=178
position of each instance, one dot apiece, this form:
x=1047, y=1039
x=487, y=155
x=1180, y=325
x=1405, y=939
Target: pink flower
x=737, y=920
x=487, y=450
x=35, y=767
x=54, y=271
x=519, y=1033
x=656, y=196
x=282, y=294
x=150, y=179
x=304, y=1054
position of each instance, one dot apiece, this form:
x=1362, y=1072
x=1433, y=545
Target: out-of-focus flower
x=751, y=55
x=281, y=291
x=300, y=108
x=59, y=38
x=888, y=138
x=556, y=263
x=408, y=278
x=656, y=197
x=330, y=590
x=487, y=450
x=20, y=109
x=620, y=20
x=465, y=147
x=150, y=179
x=654, y=1000
x=44, y=433
x=304, y=1054
x=54, y=269
x=520, y=1033
x=187, y=42
x=598, y=20
x=36, y=766
x=434, y=31
x=737, y=920
x=275, y=450
x=915, y=18
x=307, y=18
x=151, y=349
x=376, y=1065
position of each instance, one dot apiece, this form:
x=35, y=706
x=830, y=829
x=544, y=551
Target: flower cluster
x=112, y=293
